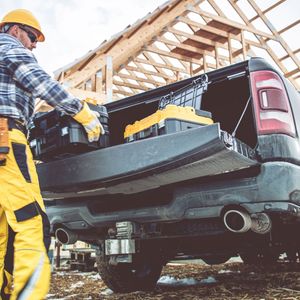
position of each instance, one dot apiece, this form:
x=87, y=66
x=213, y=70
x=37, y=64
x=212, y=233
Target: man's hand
x=89, y=120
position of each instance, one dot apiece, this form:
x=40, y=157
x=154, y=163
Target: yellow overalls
x=22, y=209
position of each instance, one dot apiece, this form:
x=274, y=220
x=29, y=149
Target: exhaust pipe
x=261, y=223
x=239, y=222
x=65, y=236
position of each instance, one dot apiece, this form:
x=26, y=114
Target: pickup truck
x=211, y=192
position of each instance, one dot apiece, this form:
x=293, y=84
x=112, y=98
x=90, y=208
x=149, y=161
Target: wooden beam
x=173, y=55
x=183, y=63
x=204, y=63
x=82, y=94
x=208, y=65
x=207, y=28
x=98, y=84
x=131, y=76
x=267, y=9
x=138, y=79
x=230, y=50
x=289, y=27
x=125, y=93
x=195, y=38
x=275, y=33
x=158, y=65
x=189, y=48
x=140, y=69
x=230, y=23
x=291, y=73
x=240, y=51
x=244, y=47
x=216, y=8
x=261, y=40
x=130, y=85
x=153, y=62
x=220, y=33
x=186, y=47
x=109, y=78
x=217, y=57
x=129, y=46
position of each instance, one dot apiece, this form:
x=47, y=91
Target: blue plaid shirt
x=22, y=80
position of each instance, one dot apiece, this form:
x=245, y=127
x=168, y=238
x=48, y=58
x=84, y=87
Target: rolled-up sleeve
x=24, y=68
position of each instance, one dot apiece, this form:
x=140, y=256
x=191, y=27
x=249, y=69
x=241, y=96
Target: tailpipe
x=237, y=221
x=261, y=223
x=240, y=221
x=65, y=236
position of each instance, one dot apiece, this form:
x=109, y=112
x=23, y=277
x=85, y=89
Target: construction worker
x=22, y=210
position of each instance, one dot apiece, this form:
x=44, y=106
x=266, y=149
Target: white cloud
x=73, y=27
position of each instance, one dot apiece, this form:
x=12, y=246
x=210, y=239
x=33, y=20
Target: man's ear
x=14, y=30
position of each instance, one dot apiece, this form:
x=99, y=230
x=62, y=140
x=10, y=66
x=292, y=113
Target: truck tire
x=140, y=275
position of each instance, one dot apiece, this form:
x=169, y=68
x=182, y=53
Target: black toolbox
x=55, y=135
x=177, y=111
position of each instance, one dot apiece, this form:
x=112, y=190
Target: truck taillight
x=272, y=108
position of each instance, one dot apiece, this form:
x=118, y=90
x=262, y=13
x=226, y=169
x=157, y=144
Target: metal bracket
x=116, y=246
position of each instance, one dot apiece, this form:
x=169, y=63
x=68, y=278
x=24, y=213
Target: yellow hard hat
x=25, y=17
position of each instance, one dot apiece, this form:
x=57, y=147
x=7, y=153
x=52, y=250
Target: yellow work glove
x=90, y=122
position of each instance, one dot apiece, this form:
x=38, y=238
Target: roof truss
x=183, y=38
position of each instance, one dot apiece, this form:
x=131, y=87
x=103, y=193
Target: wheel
x=265, y=257
x=215, y=259
x=140, y=275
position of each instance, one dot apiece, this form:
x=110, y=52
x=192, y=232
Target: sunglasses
x=33, y=38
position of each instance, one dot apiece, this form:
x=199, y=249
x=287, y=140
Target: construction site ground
x=190, y=280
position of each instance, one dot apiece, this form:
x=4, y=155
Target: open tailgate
x=146, y=164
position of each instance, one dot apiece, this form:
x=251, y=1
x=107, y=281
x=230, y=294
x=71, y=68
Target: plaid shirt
x=22, y=80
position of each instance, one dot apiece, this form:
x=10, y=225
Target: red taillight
x=271, y=104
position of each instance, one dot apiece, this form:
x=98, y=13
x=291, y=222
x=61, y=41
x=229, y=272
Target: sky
x=73, y=27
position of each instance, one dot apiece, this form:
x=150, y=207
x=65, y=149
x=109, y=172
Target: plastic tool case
x=177, y=111
x=56, y=135
x=171, y=119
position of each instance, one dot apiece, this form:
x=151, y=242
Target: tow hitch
x=121, y=248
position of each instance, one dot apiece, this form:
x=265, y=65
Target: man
x=21, y=206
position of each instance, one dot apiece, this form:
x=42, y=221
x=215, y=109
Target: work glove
x=90, y=122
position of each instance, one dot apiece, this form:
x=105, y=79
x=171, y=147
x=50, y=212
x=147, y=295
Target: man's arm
x=27, y=72
x=24, y=68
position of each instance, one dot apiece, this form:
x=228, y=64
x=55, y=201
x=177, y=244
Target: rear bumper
x=276, y=189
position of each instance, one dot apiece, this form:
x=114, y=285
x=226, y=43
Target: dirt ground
x=190, y=281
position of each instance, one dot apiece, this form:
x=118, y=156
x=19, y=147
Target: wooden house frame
x=183, y=38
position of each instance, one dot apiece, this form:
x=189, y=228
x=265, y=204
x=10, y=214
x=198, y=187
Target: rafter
x=263, y=42
x=267, y=9
x=158, y=50
x=141, y=69
x=274, y=31
x=130, y=85
x=231, y=23
x=173, y=55
x=158, y=65
x=138, y=79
